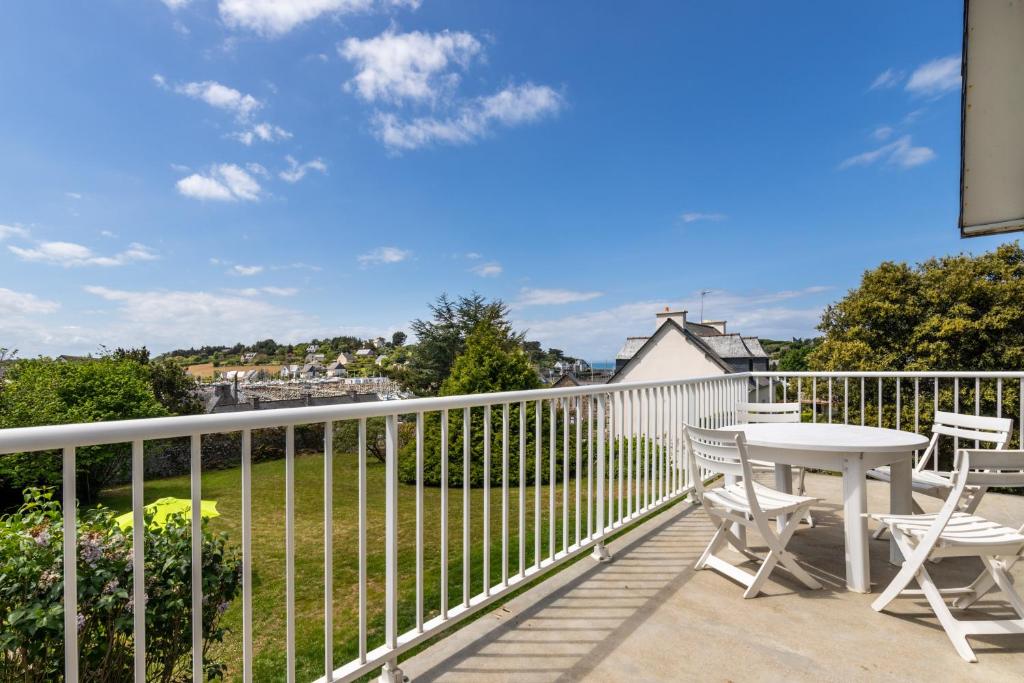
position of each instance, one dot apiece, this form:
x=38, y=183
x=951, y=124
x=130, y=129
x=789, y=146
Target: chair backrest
x=723, y=452
x=993, y=430
x=767, y=412
x=990, y=468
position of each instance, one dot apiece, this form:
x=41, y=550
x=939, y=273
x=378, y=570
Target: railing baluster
x=830, y=400
x=487, y=500
x=538, y=412
x=552, y=479
x=289, y=542
x=362, y=540
x=565, y=474
x=69, y=510
x=846, y=400
x=196, y=486
x=138, y=562
x=879, y=401
x=466, y=557
x=814, y=399
x=977, y=403
x=616, y=406
x=328, y=551
x=600, y=552
x=247, y=651
x=898, y=403
x=522, y=488
x=419, y=522
x=862, y=417
x=917, y=408
x=956, y=409
x=390, y=541
x=579, y=454
x=627, y=433
x=590, y=467
x=444, y=513
x=504, y=494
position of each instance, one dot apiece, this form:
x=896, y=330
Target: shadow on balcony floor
x=647, y=616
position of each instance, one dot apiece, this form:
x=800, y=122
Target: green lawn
x=268, y=545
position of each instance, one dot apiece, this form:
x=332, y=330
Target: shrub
x=31, y=595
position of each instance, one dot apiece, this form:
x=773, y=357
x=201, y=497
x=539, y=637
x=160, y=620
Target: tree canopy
x=442, y=337
x=958, y=312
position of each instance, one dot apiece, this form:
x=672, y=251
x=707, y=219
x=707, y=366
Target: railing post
x=70, y=512
x=390, y=673
x=600, y=553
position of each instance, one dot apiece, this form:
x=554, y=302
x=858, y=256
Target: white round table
x=852, y=450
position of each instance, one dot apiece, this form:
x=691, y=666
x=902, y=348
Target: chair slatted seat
x=952, y=532
x=746, y=503
x=937, y=483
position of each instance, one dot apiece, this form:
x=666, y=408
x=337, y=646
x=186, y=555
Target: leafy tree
x=398, y=338
x=793, y=355
x=443, y=337
x=489, y=363
x=952, y=313
x=173, y=388
x=45, y=392
x=959, y=312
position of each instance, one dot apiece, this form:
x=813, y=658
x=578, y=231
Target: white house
x=680, y=348
x=289, y=371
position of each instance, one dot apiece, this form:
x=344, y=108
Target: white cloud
x=414, y=66
x=261, y=132
x=216, y=95
x=695, y=216
x=297, y=171
x=25, y=303
x=492, y=269
x=224, y=182
x=257, y=291
x=882, y=133
x=276, y=17
x=70, y=254
x=936, y=77
x=168, y=319
x=73, y=195
x=176, y=4
x=246, y=271
x=8, y=231
x=900, y=153
x=597, y=335
x=887, y=79
x=551, y=297
x=108, y=233
x=382, y=255
x=512, y=106
x=257, y=169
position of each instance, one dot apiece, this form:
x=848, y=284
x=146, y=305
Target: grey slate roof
x=630, y=348
x=728, y=345
x=754, y=346
x=701, y=330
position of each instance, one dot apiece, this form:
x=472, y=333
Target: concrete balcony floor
x=647, y=616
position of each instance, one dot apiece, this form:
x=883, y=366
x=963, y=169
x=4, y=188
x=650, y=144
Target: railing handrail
x=885, y=374
x=51, y=437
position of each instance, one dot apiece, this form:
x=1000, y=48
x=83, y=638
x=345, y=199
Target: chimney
x=667, y=314
x=717, y=324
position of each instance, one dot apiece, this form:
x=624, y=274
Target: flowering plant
x=32, y=585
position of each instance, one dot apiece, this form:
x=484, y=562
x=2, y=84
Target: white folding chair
x=952, y=532
x=755, y=413
x=747, y=503
x=936, y=483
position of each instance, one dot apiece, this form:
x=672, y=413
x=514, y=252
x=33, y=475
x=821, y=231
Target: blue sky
x=184, y=172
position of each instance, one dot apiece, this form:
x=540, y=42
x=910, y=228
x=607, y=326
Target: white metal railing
x=620, y=453
x=897, y=400
x=617, y=449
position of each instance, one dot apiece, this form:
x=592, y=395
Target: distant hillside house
x=289, y=371
x=336, y=369
x=364, y=353
x=679, y=349
x=345, y=358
